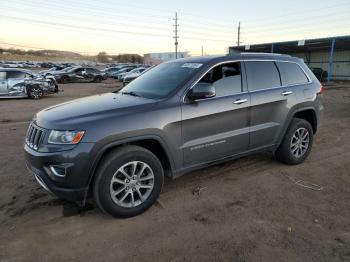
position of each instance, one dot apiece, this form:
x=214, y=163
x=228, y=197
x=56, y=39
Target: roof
x=297, y=46
x=7, y=69
x=235, y=56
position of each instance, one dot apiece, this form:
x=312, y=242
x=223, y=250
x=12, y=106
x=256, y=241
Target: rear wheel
x=64, y=80
x=128, y=181
x=297, y=143
x=35, y=92
x=98, y=79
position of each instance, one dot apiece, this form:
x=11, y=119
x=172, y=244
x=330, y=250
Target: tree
x=102, y=57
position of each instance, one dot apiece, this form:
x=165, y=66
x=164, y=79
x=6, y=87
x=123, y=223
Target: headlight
x=65, y=137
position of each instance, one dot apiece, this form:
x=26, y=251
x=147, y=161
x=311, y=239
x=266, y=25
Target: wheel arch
x=152, y=143
x=307, y=113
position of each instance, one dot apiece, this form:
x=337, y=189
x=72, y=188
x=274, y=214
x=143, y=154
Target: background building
x=331, y=54
x=157, y=58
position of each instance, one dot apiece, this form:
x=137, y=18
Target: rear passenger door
x=217, y=127
x=270, y=102
x=3, y=84
x=15, y=79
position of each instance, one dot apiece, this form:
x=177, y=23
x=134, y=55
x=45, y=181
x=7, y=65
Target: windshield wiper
x=130, y=93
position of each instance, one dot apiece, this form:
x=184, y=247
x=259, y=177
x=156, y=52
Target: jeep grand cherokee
x=179, y=116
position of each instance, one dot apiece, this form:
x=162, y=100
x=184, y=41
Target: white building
x=157, y=58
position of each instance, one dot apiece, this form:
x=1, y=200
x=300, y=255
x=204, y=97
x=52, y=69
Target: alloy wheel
x=299, y=143
x=132, y=184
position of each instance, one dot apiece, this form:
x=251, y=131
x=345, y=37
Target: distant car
x=24, y=83
x=8, y=64
x=321, y=74
x=132, y=75
x=120, y=73
x=52, y=70
x=80, y=74
x=111, y=70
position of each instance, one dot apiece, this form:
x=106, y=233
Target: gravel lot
x=250, y=209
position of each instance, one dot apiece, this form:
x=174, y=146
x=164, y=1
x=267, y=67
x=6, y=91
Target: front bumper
x=73, y=183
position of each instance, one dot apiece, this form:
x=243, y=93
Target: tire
x=292, y=150
x=64, y=80
x=35, y=92
x=106, y=192
x=98, y=79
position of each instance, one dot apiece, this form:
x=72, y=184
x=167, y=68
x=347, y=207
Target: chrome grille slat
x=30, y=130
x=35, y=136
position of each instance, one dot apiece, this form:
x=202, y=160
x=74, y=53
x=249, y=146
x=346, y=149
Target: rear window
x=291, y=73
x=262, y=75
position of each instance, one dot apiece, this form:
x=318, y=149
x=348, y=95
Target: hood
x=77, y=113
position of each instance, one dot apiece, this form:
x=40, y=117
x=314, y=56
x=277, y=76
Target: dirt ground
x=250, y=209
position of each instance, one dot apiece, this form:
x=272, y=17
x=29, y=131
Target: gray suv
x=179, y=116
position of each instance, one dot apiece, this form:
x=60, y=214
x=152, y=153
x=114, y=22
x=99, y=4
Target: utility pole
x=239, y=34
x=202, y=51
x=176, y=35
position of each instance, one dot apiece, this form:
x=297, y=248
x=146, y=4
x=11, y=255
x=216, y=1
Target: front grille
x=34, y=136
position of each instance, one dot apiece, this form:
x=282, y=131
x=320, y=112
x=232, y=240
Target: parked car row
x=75, y=74
x=31, y=64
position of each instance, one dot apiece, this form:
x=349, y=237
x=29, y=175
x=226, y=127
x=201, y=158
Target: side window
x=15, y=74
x=225, y=78
x=91, y=71
x=291, y=73
x=262, y=75
x=2, y=76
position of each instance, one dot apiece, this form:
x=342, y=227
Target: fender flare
x=121, y=142
x=289, y=119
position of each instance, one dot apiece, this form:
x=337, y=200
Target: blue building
x=329, y=54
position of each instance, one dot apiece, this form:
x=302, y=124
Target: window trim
x=247, y=91
x=207, y=71
x=307, y=76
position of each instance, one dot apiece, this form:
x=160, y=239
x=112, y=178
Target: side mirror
x=202, y=91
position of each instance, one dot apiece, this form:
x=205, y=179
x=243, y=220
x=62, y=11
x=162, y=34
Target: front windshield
x=161, y=80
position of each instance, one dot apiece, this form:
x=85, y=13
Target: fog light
x=58, y=171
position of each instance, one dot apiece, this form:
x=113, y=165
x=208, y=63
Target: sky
x=117, y=27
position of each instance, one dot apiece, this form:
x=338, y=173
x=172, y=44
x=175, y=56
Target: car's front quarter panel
x=161, y=122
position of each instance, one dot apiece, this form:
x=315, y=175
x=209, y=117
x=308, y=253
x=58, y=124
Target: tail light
x=322, y=90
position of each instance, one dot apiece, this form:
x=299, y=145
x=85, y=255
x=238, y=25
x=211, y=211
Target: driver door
x=217, y=127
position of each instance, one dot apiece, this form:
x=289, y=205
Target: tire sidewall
x=285, y=146
x=105, y=174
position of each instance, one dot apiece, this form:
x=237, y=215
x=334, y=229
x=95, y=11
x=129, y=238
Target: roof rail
x=257, y=53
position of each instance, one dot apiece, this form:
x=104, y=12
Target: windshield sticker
x=192, y=65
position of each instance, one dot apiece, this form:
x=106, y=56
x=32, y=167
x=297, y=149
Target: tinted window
x=162, y=79
x=225, y=78
x=262, y=75
x=15, y=74
x=2, y=75
x=92, y=70
x=291, y=73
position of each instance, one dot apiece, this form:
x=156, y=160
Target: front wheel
x=35, y=92
x=296, y=144
x=98, y=79
x=128, y=181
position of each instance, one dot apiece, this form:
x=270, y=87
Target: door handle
x=287, y=93
x=240, y=101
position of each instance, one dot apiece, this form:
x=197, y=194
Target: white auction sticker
x=192, y=65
